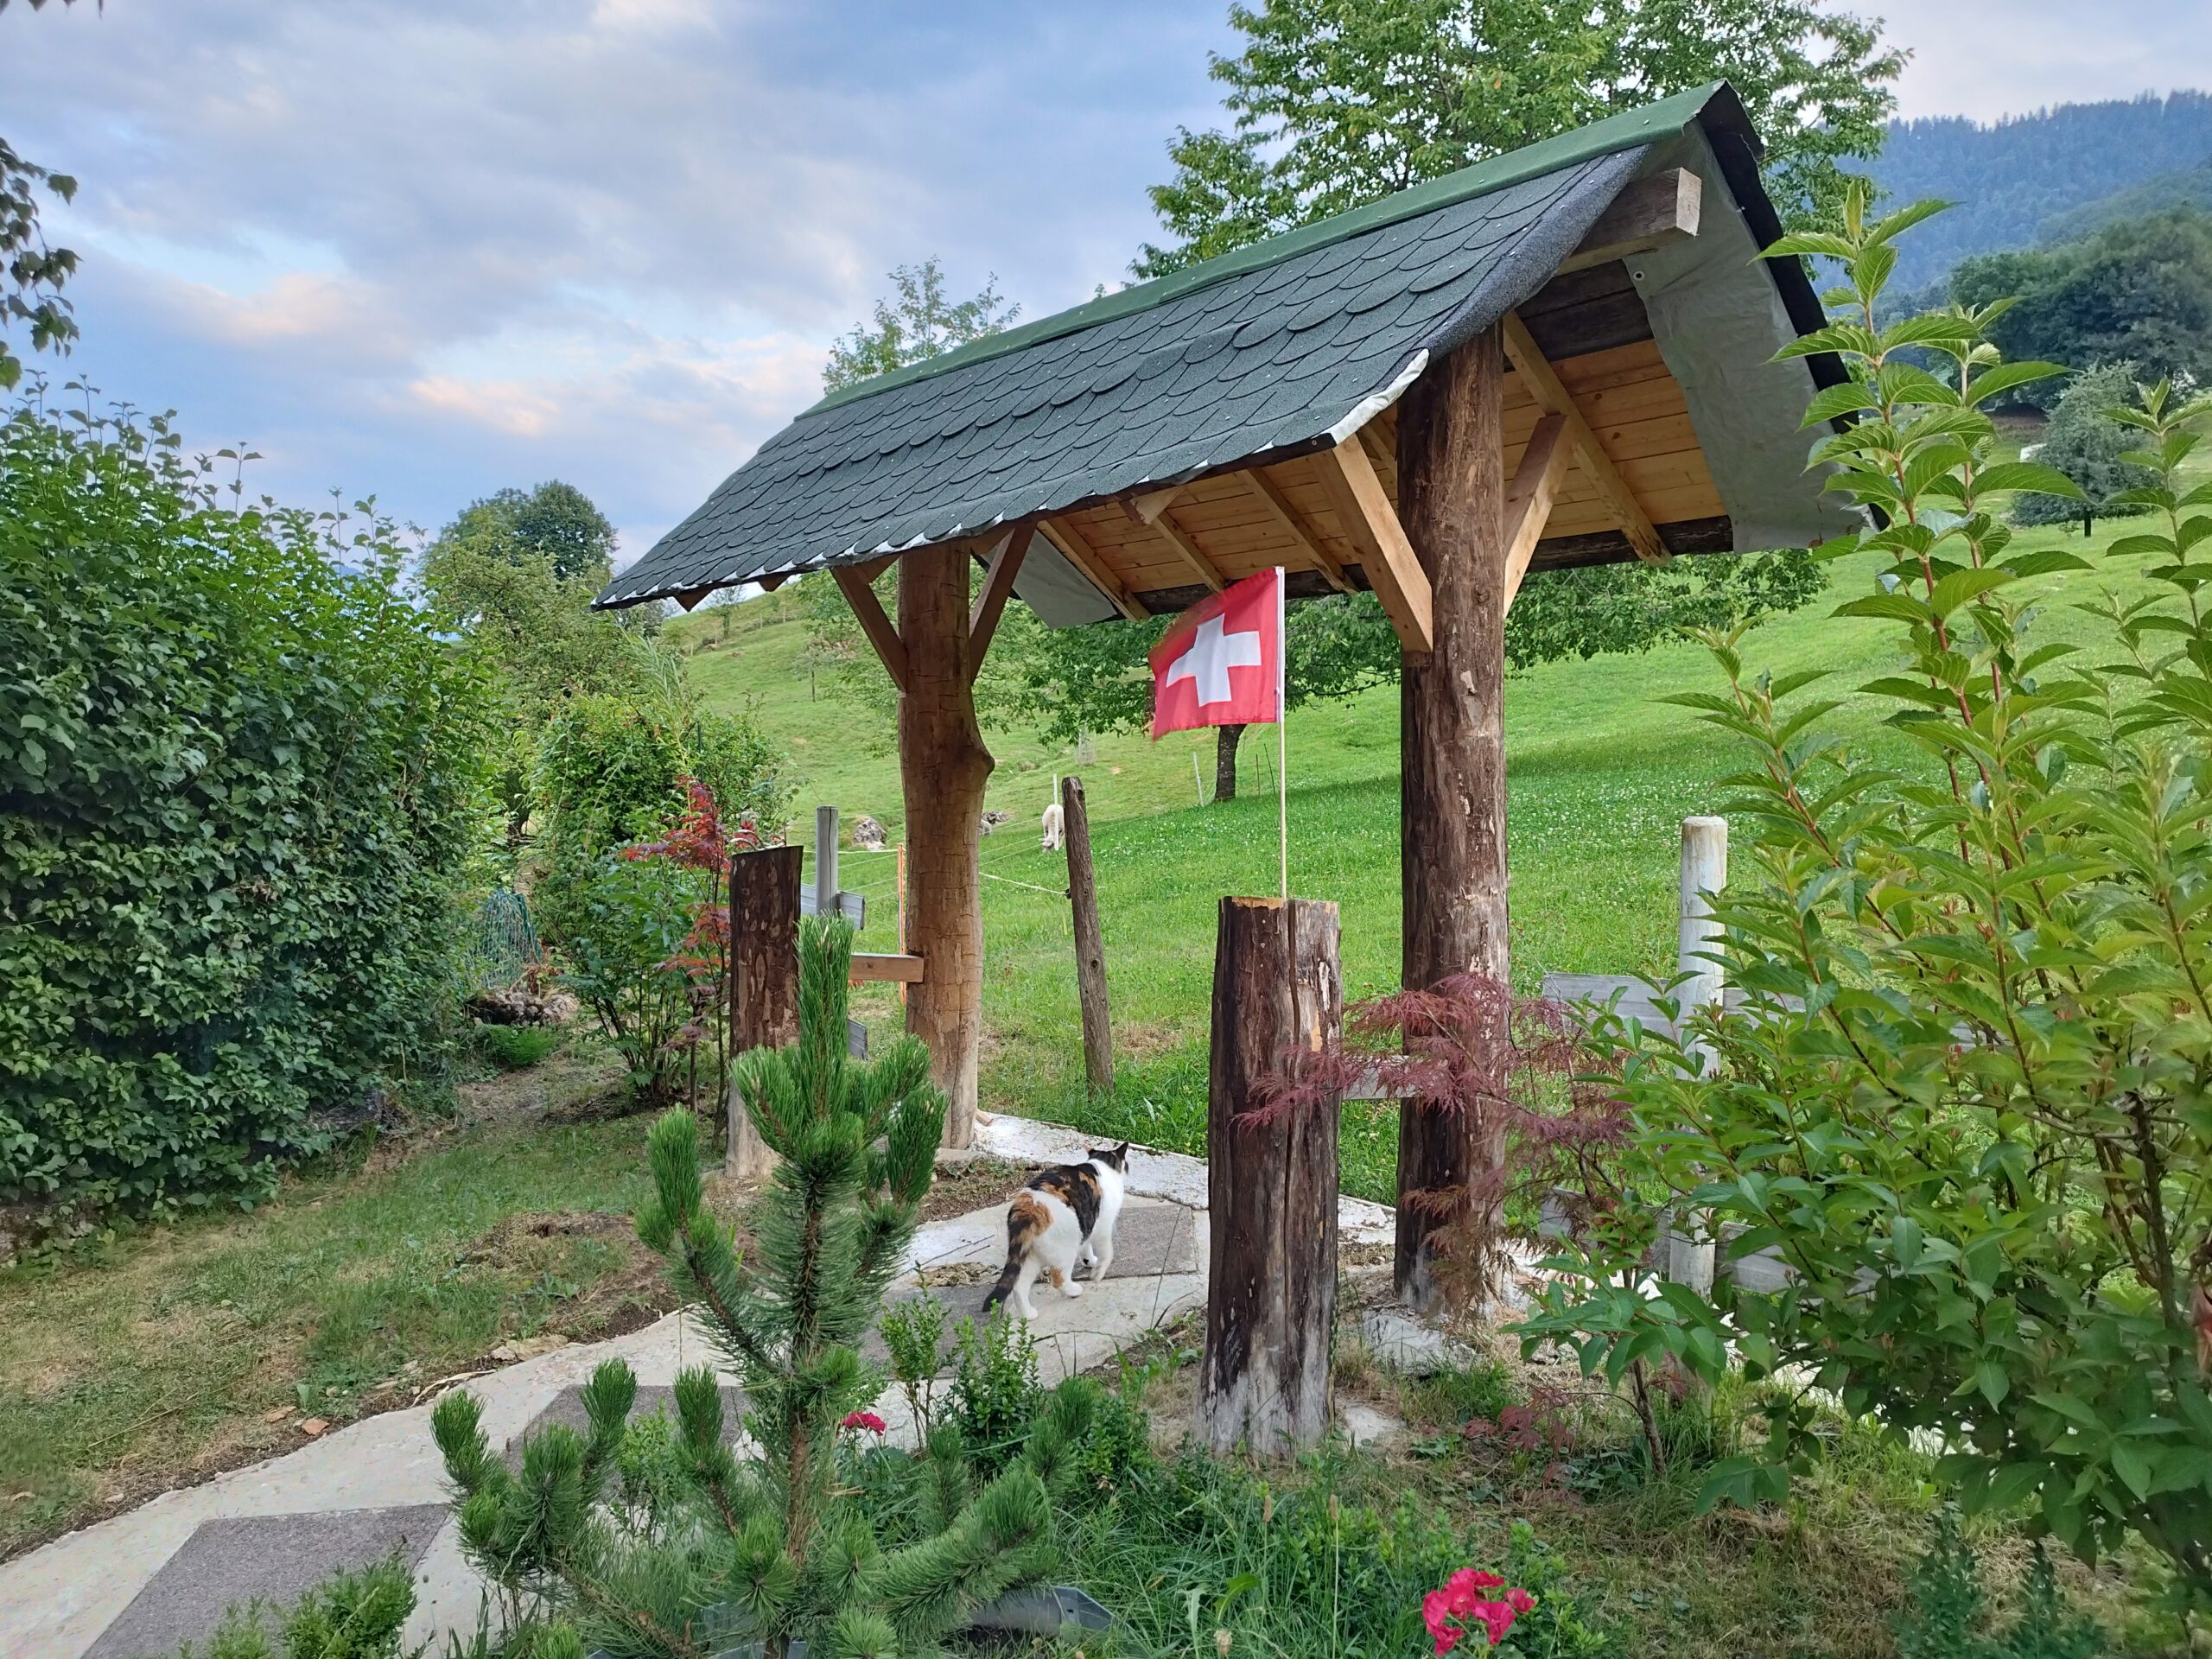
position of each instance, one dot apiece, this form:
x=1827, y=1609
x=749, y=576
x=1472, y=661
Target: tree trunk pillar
x=1225, y=741
x=943, y=766
x=763, y=983
x=1451, y=763
x=1271, y=1279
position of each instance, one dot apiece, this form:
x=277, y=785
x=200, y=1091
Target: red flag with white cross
x=1222, y=665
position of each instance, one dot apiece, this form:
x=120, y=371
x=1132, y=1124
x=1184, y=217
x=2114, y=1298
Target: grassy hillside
x=1601, y=772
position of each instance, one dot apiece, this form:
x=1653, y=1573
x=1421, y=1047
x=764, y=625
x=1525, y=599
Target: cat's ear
x=1119, y=1156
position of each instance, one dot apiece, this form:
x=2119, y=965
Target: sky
x=424, y=248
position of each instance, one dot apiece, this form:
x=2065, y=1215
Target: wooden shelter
x=1559, y=357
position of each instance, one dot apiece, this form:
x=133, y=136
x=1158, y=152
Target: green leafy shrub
x=515, y=1048
x=239, y=787
x=994, y=1389
x=1968, y=1098
x=348, y=1616
x=627, y=922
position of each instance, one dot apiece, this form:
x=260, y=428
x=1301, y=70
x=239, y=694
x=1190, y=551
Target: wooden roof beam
x=1528, y=498
x=1073, y=546
x=1000, y=570
x=690, y=597
x=1371, y=526
x=1147, y=508
x=1552, y=398
x=1292, y=524
x=868, y=610
x=1169, y=531
x=1650, y=213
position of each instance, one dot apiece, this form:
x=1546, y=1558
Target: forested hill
x=2026, y=178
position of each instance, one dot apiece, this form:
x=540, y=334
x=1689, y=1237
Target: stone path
x=136, y=1584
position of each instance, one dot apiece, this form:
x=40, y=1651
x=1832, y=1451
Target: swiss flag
x=1221, y=664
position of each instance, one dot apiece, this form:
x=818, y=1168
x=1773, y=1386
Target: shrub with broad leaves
x=1967, y=1095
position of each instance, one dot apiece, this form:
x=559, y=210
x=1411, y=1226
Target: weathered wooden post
x=1451, y=747
x=1271, y=1288
x=1090, y=943
x=764, y=907
x=943, y=767
x=825, y=860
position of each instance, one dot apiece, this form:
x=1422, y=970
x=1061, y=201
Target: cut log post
x=1271, y=1286
x=1090, y=943
x=764, y=889
x=943, y=766
x=1452, y=502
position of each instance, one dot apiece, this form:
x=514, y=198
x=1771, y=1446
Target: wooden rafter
x=690, y=597
x=1001, y=568
x=1371, y=526
x=1292, y=524
x=1528, y=499
x=1168, y=530
x=1077, y=549
x=1649, y=213
x=868, y=610
x=769, y=584
x=1552, y=398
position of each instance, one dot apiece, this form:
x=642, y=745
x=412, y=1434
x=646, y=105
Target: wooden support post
x=1090, y=943
x=763, y=982
x=1002, y=567
x=1688, y=1244
x=1452, y=751
x=1271, y=1285
x=943, y=766
x=825, y=860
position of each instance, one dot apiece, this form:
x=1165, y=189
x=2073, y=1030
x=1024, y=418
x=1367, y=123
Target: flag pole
x=1282, y=737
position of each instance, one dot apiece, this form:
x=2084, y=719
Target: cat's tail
x=1026, y=1217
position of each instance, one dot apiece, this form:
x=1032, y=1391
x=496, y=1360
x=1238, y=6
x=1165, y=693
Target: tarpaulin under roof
x=1280, y=349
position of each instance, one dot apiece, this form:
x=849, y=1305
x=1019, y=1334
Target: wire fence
x=498, y=943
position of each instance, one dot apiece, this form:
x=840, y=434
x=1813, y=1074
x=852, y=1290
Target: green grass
x=154, y=1353
x=1601, y=770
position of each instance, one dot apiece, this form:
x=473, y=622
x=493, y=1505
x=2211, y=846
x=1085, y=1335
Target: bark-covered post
x=764, y=909
x=1271, y=1286
x=1089, y=943
x=1452, y=746
x=943, y=766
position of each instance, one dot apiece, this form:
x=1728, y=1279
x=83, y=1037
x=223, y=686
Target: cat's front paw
x=1072, y=1288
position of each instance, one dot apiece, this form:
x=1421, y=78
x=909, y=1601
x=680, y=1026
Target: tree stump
x=1452, y=748
x=764, y=889
x=1271, y=1288
x=943, y=767
x=1089, y=943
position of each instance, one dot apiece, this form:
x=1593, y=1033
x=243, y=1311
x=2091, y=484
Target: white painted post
x=1690, y=1255
x=825, y=860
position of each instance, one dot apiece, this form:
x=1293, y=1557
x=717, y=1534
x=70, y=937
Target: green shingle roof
x=1264, y=353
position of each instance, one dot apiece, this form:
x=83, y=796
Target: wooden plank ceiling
x=1161, y=551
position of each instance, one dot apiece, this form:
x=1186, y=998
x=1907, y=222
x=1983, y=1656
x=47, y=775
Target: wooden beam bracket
x=1001, y=567
x=1528, y=499
x=1552, y=396
x=1292, y=524
x=853, y=581
x=1371, y=526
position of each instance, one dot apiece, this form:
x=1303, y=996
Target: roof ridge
x=1603, y=137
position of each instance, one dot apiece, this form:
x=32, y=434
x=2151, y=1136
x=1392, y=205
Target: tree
x=1335, y=103
x=2088, y=445
x=555, y=522
x=918, y=322
x=31, y=273
x=862, y=1553
x=2138, y=292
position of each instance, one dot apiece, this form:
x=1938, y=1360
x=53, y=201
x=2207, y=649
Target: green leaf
x=2010, y=475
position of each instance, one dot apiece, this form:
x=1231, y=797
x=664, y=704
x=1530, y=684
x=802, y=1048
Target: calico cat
x=1063, y=1217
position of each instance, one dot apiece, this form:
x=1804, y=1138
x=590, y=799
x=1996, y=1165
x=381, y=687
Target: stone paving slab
x=275, y=1559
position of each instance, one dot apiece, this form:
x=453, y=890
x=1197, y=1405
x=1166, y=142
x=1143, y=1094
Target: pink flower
x=1458, y=1607
x=1521, y=1600
x=866, y=1420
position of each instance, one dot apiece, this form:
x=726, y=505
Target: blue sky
x=427, y=248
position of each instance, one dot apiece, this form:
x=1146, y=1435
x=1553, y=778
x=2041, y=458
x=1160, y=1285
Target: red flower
x=1458, y=1607
x=866, y=1420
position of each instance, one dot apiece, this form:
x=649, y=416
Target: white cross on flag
x=1221, y=664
